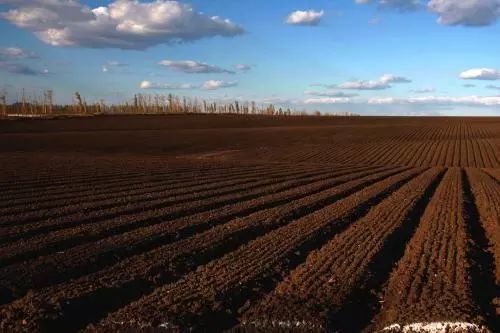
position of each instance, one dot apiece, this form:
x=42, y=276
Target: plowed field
x=234, y=223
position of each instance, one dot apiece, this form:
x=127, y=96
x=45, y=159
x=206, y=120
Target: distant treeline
x=42, y=105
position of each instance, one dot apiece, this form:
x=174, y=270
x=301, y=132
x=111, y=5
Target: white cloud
x=481, y=74
x=190, y=66
x=439, y=100
x=423, y=90
x=364, y=85
x=305, y=17
x=451, y=12
x=493, y=87
x=466, y=12
x=207, y=85
x=382, y=83
x=121, y=24
x=484, y=101
x=328, y=100
x=243, y=67
x=172, y=86
x=217, y=84
x=15, y=53
x=329, y=86
x=382, y=100
x=329, y=93
x=389, y=78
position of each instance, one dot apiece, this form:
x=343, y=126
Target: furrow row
x=88, y=257
x=166, y=200
x=316, y=294
x=84, y=230
x=212, y=295
x=433, y=282
x=122, y=187
x=174, y=191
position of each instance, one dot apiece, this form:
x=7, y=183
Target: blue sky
x=371, y=57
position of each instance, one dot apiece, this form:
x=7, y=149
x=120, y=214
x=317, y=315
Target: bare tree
x=3, y=103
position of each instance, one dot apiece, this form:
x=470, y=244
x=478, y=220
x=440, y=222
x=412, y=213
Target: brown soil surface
x=250, y=223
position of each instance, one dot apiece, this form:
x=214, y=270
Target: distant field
x=244, y=223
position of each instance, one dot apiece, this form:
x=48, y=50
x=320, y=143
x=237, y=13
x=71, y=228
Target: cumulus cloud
x=305, y=17
x=121, y=24
x=451, y=12
x=19, y=69
x=402, y=5
x=170, y=86
x=15, y=53
x=335, y=94
x=217, y=84
x=481, y=74
x=466, y=12
x=189, y=66
x=382, y=83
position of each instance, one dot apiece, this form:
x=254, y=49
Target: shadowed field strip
x=93, y=192
x=168, y=261
x=168, y=193
x=139, y=217
x=485, y=192
x=249, y=268
x=157, y=201
x=59, y=184
x=312, y=193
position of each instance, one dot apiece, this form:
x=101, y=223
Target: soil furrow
x=85, y=232
x=27, y=221
x=88, y=257
x=432, y=282
x=204, y=299
x=322, y=293
x=484, y=287
x=100, y=180
x=116, y=190
x=169, y=201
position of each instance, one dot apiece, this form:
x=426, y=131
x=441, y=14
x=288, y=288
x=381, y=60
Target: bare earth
x=250, y=223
